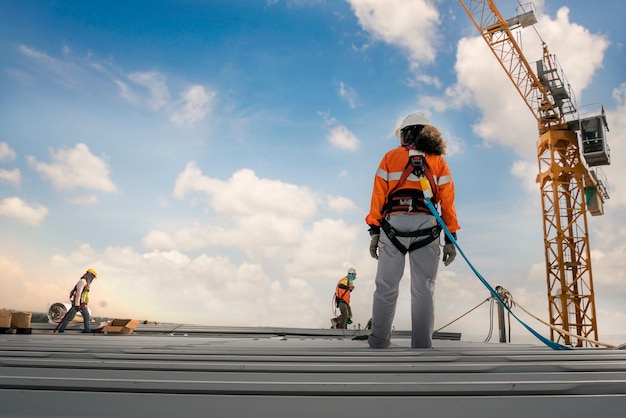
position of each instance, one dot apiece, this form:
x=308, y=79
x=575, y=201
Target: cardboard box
x=21, y=319
x=5, y=318
x=121, y=326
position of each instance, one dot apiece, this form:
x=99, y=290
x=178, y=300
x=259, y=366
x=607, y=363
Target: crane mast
x=563, y=176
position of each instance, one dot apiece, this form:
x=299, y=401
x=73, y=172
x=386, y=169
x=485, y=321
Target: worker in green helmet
x=344, y=288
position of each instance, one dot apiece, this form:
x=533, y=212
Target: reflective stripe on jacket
x=389, y=172
x=343, y=293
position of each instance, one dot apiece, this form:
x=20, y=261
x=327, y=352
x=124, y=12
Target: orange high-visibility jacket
x=389, y=172
x=343, y=293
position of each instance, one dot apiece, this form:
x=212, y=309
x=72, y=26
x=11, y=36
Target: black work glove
x=374, y=237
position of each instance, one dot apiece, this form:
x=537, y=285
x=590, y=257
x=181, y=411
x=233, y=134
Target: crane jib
x=568, y=188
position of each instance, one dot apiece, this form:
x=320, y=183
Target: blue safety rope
x=549, y=343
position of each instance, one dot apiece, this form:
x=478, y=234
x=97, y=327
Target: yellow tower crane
x=569, y=188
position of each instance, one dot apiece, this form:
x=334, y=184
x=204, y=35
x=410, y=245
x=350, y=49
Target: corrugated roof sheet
x=166, y=371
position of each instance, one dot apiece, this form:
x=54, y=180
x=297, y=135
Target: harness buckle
x=408, y=203
x=418, y=170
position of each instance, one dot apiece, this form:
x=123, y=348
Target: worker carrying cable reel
x=344, y=288
x=79, y=297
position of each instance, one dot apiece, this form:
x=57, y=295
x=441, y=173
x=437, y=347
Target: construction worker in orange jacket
x=344, y=288
x=404, y=177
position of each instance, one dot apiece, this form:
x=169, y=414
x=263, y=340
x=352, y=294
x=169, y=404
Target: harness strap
x=431, y=234
x=342, y=293
x=415, y=165
x=406, y=200
x=405, y=174
x=430, y=177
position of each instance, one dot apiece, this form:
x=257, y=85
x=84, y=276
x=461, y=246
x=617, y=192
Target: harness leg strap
x=432, y=233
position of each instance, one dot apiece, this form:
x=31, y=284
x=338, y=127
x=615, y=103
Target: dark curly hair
x=426, y=138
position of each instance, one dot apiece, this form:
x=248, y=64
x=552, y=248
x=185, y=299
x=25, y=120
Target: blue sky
x=213, y=160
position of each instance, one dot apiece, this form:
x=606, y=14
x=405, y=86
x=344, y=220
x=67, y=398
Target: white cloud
x=428, y=80
x=341, y=137
x=22, y=287
x=195, y=104
x=247, y=195
x=145, y=88
x=35, y=54
x=259, y=216
x=11, y=176
x=155, y=83
x=409, y=24
x=267, y=221
x=527, y=173
x=73, y=168
x=65, y=73
x=616, y=139
x=85, y=200
x=619, y=95
x=481, y=81
x=579, y=52
x=126, y=92
x=479, y=77
x=340, y=203
x=172, y=286
x=14, y=207
x=348, y=93
x=158, y=240
x=506, y=121
x=327, y=249
x=6, y=153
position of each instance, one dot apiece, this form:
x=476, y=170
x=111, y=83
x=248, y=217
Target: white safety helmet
x=417, y=118
x=351, y=271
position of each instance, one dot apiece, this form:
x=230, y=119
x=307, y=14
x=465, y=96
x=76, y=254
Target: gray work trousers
x=423, y=263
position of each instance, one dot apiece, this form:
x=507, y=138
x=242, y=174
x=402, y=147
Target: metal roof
x=170, y=371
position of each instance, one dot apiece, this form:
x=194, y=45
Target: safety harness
x=84, y=297
x=340, y=297
x=431, y=234
x=411, y=200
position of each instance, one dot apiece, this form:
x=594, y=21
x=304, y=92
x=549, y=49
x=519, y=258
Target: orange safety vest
x=343, y=294
x=389, y=173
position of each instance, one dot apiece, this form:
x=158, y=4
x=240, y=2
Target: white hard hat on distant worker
x=417, y=118
x=351, y=271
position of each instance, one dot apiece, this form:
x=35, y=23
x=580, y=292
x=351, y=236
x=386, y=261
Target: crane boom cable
x=521, y=6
